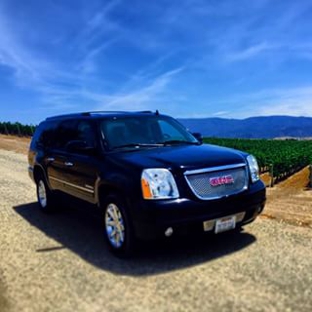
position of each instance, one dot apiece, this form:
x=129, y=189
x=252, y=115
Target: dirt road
x=59, y=262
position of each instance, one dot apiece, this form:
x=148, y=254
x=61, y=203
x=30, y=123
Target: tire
x=118, y=230
x=45, y=196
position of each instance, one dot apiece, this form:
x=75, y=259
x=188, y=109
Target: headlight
x=158, y=184
x=253, y=168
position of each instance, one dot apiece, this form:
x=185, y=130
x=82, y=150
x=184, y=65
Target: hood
x=185, y=157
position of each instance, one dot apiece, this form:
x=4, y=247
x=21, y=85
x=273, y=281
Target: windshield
x=140, y=131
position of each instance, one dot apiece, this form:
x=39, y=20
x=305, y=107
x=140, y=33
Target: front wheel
x=118, y=228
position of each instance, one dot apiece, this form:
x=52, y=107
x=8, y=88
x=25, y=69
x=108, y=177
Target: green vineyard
x=282, y=157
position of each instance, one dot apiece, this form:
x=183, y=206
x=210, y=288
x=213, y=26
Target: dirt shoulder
x=291, y=201
x=14, y=143
x=4, y=306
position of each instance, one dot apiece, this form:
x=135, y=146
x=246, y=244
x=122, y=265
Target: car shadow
x=81, y=232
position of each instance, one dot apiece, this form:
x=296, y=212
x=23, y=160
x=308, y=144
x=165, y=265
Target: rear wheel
x=44, y=195
x=117, y=226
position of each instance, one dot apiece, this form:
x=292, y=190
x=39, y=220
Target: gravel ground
x=59, y=263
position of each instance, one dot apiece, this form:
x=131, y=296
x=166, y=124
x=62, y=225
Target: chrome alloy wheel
x=114, y=225
x=42, y=194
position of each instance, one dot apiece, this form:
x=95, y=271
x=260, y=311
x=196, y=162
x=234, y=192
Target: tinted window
x=44, y=135
x=71, y=130
x=86, y=133
x=170, y=132
x=143, y=130
x=67, y=131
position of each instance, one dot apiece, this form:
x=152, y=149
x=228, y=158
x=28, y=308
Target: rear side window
x=44, y=135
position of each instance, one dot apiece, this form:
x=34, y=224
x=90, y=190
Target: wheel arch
x=38, y=172
x=104, y=190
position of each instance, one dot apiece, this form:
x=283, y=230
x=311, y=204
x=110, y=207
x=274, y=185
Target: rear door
x=75, y=172
x=82, y=166
x=56, y=160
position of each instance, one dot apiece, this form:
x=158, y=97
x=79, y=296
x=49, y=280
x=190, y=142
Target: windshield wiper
x=137, y=145
x=172, y=142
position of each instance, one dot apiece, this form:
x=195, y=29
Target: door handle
x=68, y=164
x=50, y=159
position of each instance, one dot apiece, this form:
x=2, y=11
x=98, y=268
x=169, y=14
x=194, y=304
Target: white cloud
x=221, y=114
x=210, y=38
x=287, y=108
x=88, y=64
x=96, y=26
x=249, y=53
x=11, y=55
x=293, y=102
x=61, y=90
x=30, y=71
x=142, y=98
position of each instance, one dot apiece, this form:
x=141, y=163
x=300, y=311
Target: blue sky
x=187, y=58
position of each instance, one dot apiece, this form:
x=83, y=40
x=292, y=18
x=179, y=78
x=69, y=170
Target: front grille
x=218, y=182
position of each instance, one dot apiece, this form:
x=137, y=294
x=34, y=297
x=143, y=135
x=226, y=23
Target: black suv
x=147, y=174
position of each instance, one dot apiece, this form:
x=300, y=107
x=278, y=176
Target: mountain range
x=254, y=127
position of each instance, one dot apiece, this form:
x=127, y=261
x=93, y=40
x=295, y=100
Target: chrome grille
x=217, y=182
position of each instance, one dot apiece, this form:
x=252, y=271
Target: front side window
x=123, y=132
x=86, y=133
x=66, y=131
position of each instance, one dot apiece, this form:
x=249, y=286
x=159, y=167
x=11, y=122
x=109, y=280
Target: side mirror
x=79, y=146
x=198, y=136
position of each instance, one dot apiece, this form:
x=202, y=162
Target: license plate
x=225, y=224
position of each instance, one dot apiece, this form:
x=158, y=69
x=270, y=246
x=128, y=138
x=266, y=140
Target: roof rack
x=64, y=116
x=117, y=112
x=90, y=113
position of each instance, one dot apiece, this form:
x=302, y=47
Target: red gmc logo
x=217, y=181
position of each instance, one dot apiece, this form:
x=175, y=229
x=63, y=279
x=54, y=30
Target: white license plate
x=225, y=224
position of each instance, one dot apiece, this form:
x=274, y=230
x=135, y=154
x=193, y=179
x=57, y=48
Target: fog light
x=260, y=208
x=169, y=231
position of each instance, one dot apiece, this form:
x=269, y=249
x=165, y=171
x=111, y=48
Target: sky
x=186, y=58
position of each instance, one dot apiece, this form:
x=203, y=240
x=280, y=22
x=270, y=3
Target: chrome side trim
x=74, y=185
x=212, y=169
x=90, y=187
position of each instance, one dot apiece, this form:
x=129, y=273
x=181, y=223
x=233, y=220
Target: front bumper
x=152, y=218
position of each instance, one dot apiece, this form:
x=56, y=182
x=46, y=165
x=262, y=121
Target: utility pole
x=271, y=175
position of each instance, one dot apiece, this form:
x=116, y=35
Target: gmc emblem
x=223, y=180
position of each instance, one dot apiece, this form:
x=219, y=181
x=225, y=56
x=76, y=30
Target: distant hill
x=254, y=127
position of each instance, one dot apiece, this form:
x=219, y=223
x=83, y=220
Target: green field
x=285, y=156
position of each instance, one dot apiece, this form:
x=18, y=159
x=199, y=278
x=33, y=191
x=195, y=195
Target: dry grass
x=291, y=200
x=14, y=143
